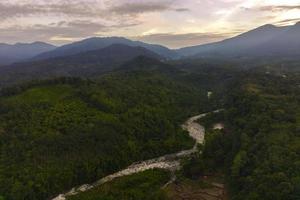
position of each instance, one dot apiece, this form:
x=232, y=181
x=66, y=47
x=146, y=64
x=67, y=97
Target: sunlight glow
x=61, y=21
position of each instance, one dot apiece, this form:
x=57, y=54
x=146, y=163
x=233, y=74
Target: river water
x=168, y=162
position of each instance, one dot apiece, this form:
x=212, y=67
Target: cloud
x=199, y=21
x=81, y=8
x=174, y=40
x=145, y=7
x=140, y=7
x=58, y=19
x=182, y=10
x=74, y=8
x=287, y=21
x=13, y=10
x=279, y=8
x=77, y=28
x=59, y=32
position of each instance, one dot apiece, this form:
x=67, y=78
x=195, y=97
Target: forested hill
x=60, y=133
x=146, y=63
x=96, y=43
x=86, y=64
x=263, y=119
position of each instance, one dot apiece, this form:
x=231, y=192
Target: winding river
x=168, y=162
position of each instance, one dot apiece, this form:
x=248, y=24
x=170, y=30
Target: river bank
x=169, y=162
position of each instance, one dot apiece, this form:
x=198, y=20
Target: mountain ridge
x=11, y=53
x=87, y=64
x=95, y=43
x=266, y=40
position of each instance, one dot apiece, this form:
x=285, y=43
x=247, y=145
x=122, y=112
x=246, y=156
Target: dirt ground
x=205, y=188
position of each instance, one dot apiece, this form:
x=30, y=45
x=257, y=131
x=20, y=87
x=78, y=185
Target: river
x=168, y=162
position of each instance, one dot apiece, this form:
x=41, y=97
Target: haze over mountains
x=85, y=64
x=95, y=56
x=21, y=51
x=99, y=43
x=267, y=40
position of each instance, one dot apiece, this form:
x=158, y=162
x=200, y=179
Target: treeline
x=18, y=88
x=263, y=116
x=60, y=133
x=259, y=149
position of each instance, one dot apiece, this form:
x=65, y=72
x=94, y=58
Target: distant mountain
x=87, y=64
x=21, y=51
x=99, y=43
x=267, y=40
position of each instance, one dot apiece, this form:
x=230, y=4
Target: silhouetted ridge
x=96, y=43
x=267, y=40
x=87, y=64
x=22, y=51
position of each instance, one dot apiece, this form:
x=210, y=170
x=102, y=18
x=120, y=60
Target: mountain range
x=100, y=43
x=86, y=64
x=21, y=51
x=267, y=40
x=95, y=56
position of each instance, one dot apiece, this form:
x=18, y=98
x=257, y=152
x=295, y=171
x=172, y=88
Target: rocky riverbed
x=168, y=162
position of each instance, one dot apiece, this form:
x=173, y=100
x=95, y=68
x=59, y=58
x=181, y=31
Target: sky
x=173, y=23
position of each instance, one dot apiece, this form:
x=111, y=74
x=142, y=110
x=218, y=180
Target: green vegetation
x=60, y=133
x=57, y=134
x=145, y=185
x=259, y=149
x=263, y=118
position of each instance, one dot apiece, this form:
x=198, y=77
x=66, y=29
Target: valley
x=168, y=162
x=122, y=119
x=115, y=118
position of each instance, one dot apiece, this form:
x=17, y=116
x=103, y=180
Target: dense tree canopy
x=264, y=119
x=61, y=133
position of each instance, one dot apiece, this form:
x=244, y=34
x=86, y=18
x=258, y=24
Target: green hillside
x=264, y=121
x=259, y=148
x=60, y=133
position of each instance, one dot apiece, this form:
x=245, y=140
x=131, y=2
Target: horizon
x=150, y=99
x=20, y=42
x=173, y=24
